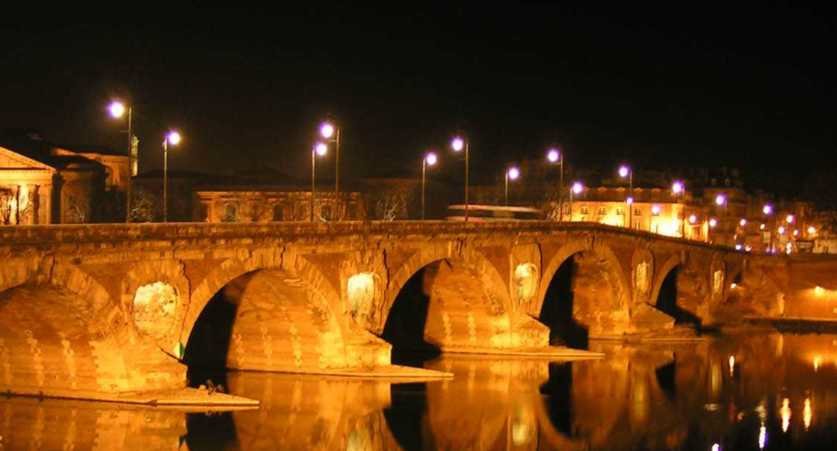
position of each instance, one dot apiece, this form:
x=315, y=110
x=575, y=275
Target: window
x=584, y=211
x=325, y=212
x=230, y=213
x=278, y=213
x=602, y=211
x=637, y=212
x=620, y=212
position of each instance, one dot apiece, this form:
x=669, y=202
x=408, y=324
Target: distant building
x=42, y=183
x=271, y=204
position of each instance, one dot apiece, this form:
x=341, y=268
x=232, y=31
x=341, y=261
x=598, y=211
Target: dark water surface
x=776, y=392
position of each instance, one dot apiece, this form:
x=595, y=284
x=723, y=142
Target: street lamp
x=428, y=160
x=319, y=149
x=575, y=190
x=678, y=189
x=555, y=156
x=117, y=109
x=512, y=173
x=458, y=144
x=767, y=210
x=173, y=138
x=626, y=172
x=331, y=133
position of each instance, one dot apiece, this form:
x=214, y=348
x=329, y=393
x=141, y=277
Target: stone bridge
x=114, y=308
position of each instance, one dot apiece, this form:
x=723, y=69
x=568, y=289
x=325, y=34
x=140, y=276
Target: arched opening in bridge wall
x=75, y=342
x=557, y=310
x=267, y=320
x=407, y=319
x=453, y=306
x=583, y=298
x=667, y=300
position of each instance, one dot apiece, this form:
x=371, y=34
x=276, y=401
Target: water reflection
x=686, y=396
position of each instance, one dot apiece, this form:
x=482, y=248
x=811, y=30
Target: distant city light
x=795, y=232
x=742, y=222
x=713, y=222
x=692, y=219
x=767, y=209
x=738, y=247
x=629, y=200
x=819, y=291
x=327, y=130
x=731, y=365
x=553, y=156
x=762, y=436
x=789, y=219
x=116, y=109
x=655, y=209
x=577, y=188
x=513, y=173
x=748, y=248
x=720, y=200
x=624, y=171
x=457, y=144
x=762, y=227
x=781, y=230
x=173, y=138
x=431, y=159
x=716, y=447
x=812, y=230
x=321, y=149
x=677, y=187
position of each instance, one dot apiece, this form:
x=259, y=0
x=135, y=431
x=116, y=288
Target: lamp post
x=767, y=210
x=428, y=160
x=575, y=190
x=512, y=173
x=118, y=109
x=320, y=149
x=721, y=201
x=331, y=133
x=172, y=138
x=712, y=224
x=626, y=172
x=678, y=190
x=459, y=144
x=555, y=156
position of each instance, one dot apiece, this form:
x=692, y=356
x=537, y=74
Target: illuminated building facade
x=41, y=183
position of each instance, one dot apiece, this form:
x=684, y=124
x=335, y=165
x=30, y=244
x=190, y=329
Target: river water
x=771, y=392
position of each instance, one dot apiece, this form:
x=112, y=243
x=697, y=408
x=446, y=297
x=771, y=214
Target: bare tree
x=391, y=204
x=76, y=210
x=143, y=206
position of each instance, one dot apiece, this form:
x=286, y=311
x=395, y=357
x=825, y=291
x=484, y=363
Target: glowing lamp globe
x=514, y=173
x=173, y=138
x=720, y=200
x=677, y=187
x=553, y=156
x=577, y=188
x=327, y=130
x=321, y=149
x=116, y=109
x=430, y=159
x=624, y=171
x=713, y=223
x=692, y=219
x=767, y=210
x=457, y=144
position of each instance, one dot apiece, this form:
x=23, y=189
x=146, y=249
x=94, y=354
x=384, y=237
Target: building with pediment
x=43, y=183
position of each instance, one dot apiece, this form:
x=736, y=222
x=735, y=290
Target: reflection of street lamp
x=459, y=144
x=626, y=172
x=331, y=132
x=428, y=160
x=320, y=149
x=512, y=173
x=172, y=138
x=575, y=190
x=555, y=156
x=118, y=109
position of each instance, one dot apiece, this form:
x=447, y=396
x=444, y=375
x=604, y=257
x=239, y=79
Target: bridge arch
x=269, y=312
x=459, y=293
x=62, y=334
x=581, y=314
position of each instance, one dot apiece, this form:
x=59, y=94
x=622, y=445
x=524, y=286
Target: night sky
x=682, y=86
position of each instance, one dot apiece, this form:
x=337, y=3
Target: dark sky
x=699, y=86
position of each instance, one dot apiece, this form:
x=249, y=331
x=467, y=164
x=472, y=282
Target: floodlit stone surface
x=113, y=307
